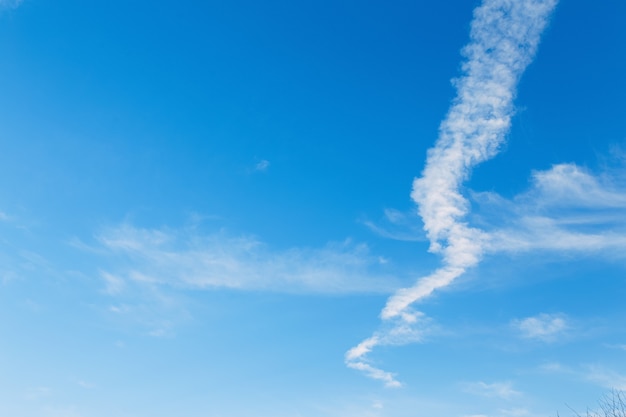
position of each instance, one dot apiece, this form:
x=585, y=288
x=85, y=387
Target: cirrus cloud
x=186, y=259
x=544, y=327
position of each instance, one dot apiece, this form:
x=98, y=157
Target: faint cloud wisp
x=185, y=259
x=503, y=390
x=10, y=4
x=262, y=165
x=567, y=208
x=544, y=327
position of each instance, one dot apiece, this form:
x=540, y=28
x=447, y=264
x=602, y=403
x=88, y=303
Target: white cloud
x=262, y=166
x=411, y=327
x=571, y=185
x=185, y=259
x=503, y=390
x=362, y=349
x=566, y=209
x=554, y=367
x=503, y=40
x=545, y=327
x=3, y=216
x=375, y=373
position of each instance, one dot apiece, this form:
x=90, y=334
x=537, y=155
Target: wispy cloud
x=113, y=284
x=597, y=374
x=544, y=327
x=158, y=315
x=503, y=390
x=185, y=259
x=262, y=165
x=606, y=378
x=411, y=327
x=10, y=4
x=375, y=373
x=503, y=40
x=571, y=185
x=554, y=367
x=567, y=208
x=397, y=225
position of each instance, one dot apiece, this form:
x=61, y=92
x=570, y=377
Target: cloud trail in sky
x=503, y=40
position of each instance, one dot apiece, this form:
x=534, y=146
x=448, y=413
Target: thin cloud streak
x=571, y=185
x=262, y=165
x=605, y=378
x=411, y=327
x=398, y=226
x=186, y=259
x=503, y=40
x=594, y=373
x=502, y=390
x=567, y=209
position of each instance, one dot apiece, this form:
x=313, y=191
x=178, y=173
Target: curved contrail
x=503, y=40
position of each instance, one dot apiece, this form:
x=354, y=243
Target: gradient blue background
x=160, y=115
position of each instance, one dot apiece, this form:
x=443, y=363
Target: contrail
x=503, y=40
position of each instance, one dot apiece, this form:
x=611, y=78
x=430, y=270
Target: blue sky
x=319, y=208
